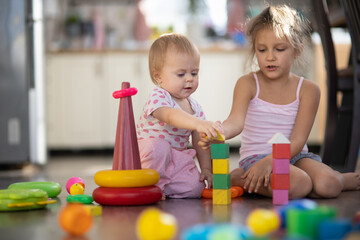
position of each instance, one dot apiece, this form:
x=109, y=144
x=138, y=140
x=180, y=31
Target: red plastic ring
x=125, y=92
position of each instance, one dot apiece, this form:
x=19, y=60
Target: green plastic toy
x=80, y=198
x=52, y=189
x=23, y=199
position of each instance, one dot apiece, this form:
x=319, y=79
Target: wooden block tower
x=221, y=174
x=280, y=181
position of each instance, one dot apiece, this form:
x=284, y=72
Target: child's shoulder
x=309, y=87
x=247, y=81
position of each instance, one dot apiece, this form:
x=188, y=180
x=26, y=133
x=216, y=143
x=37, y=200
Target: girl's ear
x=299, y=51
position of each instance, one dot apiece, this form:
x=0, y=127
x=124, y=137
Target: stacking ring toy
x=127, y=178
x=125, y=92
x=52, y=189
x=127, y=196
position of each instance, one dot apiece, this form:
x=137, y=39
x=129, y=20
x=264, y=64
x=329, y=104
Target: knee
x=300, y=185
x=328, y=185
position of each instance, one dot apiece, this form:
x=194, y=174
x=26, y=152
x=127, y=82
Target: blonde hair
x=284, y=21
x=159, y=48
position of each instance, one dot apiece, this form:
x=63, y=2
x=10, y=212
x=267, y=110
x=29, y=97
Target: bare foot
x=351, y=181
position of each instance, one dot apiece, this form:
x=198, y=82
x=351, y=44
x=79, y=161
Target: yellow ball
x=263, y=221
x=76, y=189
x=154, y=224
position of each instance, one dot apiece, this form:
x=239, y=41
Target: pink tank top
x=263, y=120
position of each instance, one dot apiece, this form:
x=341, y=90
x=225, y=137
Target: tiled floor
x=119, y=222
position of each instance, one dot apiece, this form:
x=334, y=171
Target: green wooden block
x=220, y=151
x=221, y=181
x=304, y=223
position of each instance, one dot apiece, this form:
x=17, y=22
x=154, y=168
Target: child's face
x=179, y=75
x=275, y=56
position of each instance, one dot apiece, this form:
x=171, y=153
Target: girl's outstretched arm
x=245, y=90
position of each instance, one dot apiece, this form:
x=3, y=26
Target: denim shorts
x=251, y=160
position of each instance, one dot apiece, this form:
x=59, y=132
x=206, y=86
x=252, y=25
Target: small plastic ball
x=72, y=181
x=263, y=221
x=77, y=189
x=75, y=219
x=154, y=224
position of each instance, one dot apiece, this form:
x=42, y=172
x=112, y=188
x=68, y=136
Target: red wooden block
x=281, y=166
x=280, y=181
x=281, y=151
x=280, y=197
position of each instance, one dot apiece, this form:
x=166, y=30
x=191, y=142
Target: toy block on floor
x=221, y=196
x=304, y=223
x=280, y=196
x=334, y=229
x=220, y=166
x=281, y=166
x=280, y=181
x=281, y=151
x=220, y=151
x=221, y=181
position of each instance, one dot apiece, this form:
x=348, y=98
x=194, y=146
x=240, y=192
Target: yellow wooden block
x=221, y=196
x=220, y=136
x=220, y=166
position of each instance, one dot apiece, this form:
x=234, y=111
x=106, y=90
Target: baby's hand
x=211, y=129
x=214, y=132
x=206, y=175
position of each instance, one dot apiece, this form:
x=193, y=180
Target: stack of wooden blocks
x=280, y=181
x=221, y=174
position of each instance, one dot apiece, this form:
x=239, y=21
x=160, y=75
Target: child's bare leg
x=300, y=183
x=351, y=181
x=328, y=183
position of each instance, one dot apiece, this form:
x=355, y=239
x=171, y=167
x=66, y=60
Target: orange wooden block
x=280, y=181
x=281, y=151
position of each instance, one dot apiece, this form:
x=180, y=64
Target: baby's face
x=180, y=74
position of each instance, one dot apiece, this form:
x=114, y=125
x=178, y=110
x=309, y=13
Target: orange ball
x=74, y=219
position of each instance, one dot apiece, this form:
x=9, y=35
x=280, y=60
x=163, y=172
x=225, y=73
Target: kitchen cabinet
x=82, y=114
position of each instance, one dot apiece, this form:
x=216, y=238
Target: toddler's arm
x=181, y=119
x=204, y=158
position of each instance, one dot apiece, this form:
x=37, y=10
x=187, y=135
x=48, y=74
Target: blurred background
x=91, y=46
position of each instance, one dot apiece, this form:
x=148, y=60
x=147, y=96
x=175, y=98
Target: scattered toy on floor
x=153, y=224
x=75, y=219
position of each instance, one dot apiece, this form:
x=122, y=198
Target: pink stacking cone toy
x=126, y=151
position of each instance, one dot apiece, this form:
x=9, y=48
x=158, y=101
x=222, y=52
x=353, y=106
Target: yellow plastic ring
x=127, y=178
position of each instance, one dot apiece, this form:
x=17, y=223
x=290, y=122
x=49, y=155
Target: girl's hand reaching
x=206, y=175
x=258, y=175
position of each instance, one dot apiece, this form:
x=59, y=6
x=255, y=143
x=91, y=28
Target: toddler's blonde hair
x=158, y=50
